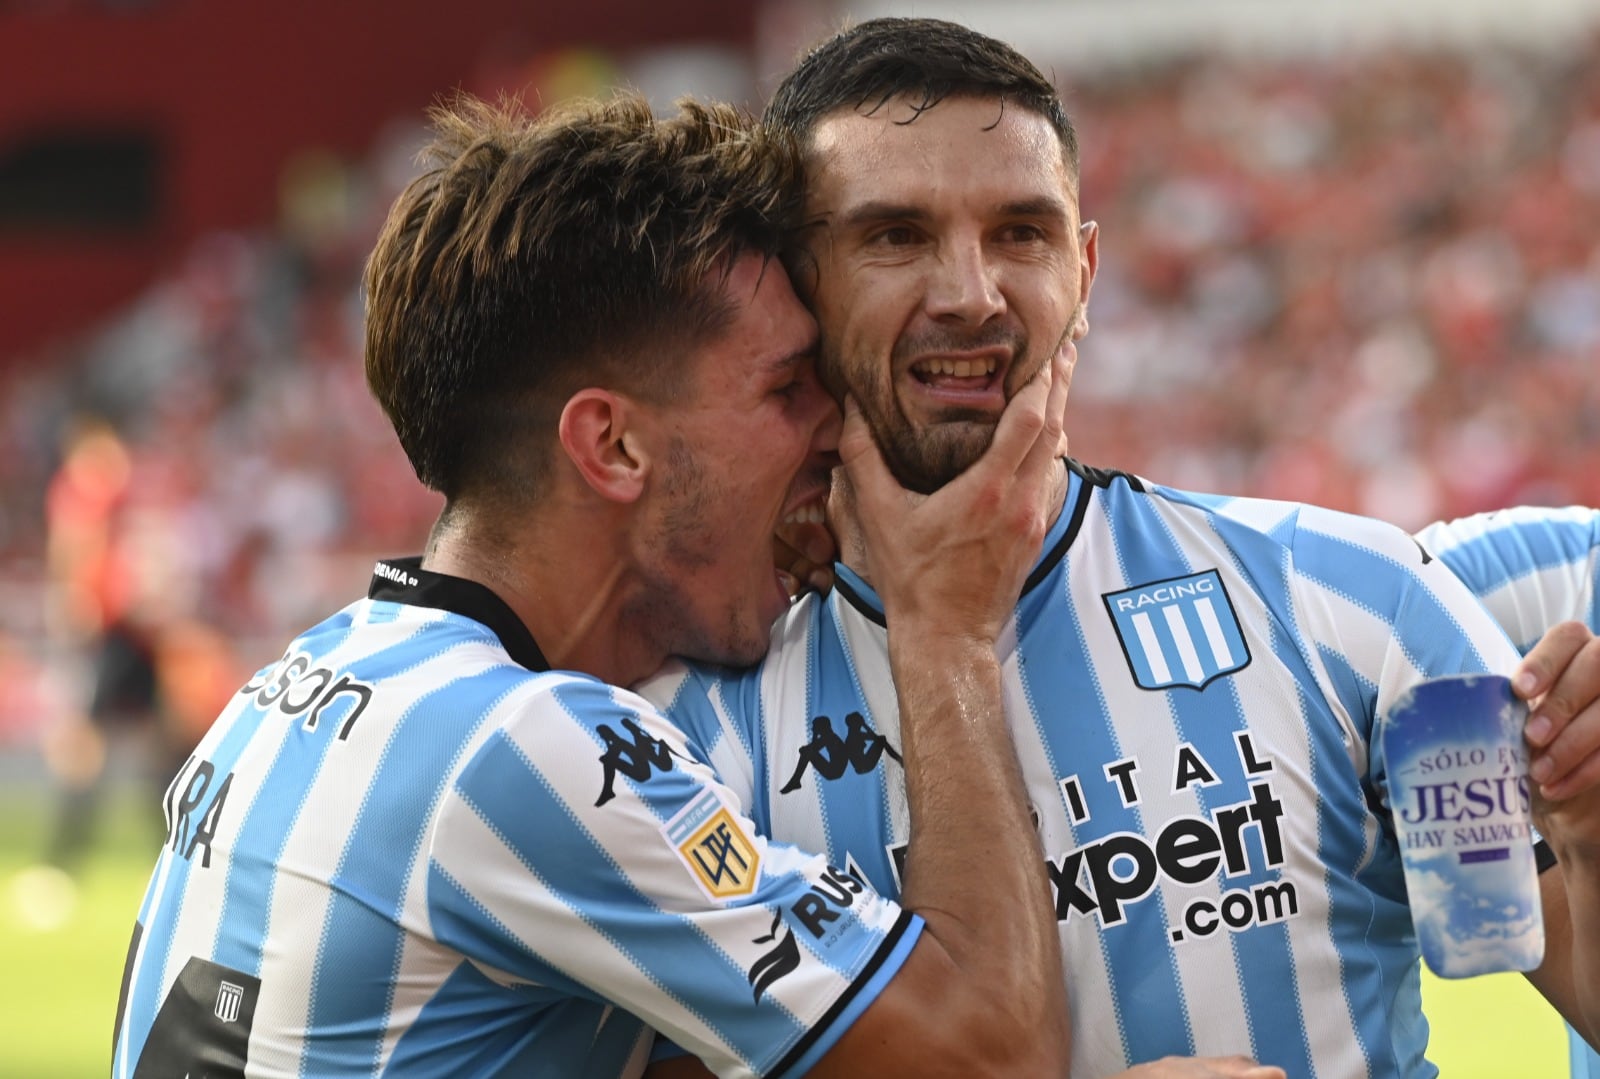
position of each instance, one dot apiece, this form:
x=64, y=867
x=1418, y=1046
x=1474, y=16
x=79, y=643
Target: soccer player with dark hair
x=1193, y=682
x=436, y=837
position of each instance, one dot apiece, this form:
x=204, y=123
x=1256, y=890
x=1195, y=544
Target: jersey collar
x=403, y=580
x=856, y=592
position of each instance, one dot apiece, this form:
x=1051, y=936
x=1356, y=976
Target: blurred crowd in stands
x=1368, y=281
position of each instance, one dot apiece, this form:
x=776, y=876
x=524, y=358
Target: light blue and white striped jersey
x=410, y=848
x=1193, y=684
x=1532, y=567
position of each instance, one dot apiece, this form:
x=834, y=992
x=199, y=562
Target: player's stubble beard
x=925, y=457
x=686, y=541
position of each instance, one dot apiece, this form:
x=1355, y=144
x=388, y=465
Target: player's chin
x=746, y=626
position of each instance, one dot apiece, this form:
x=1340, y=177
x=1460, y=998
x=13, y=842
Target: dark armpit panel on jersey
x=203, y=1028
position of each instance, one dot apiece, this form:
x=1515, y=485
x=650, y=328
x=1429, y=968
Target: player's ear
x=1088, y=266
x=604, y=435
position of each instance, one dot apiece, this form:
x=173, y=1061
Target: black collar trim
x=1079, y=497
x=403, y=580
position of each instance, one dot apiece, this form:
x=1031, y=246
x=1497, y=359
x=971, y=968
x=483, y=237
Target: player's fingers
x=1243, y=1067
x=820, y=580
x=1574, y=775
x=1567, y=666
x=1570, y=762
x=1543, y=665
x=863, y=461
x=1047, y=447
x=1021, y=426
x=806, y=537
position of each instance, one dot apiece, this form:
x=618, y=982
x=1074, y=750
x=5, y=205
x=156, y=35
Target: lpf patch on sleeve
x=713, y=845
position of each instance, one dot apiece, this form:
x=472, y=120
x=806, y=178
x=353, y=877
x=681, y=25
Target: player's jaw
x=936, y=412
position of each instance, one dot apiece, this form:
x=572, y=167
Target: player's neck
x=561, y=583
x=853, y=550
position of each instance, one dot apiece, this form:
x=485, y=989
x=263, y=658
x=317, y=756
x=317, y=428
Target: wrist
x=931, y=638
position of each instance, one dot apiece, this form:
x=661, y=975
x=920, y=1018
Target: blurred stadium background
x=1351, y=255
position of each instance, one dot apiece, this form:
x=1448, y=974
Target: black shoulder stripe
x=1105, y=477
x=868, y=972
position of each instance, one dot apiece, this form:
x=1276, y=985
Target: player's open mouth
x=808, y=514
x=944, y=368
x=973, y=379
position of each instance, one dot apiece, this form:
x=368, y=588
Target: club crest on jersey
x=1178, y=632
x=714, y=848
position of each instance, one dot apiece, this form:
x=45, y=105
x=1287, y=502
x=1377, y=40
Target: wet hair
x=536, y=256
x=865, y=66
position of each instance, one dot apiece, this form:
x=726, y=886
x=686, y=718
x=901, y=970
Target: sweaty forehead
x=965, y=141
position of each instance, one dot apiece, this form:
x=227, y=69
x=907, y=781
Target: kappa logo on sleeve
x=713, y=846
x=1178, y=632
x=637, y=757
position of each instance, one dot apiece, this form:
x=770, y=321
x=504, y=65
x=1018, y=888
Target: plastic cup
x=1460, y=797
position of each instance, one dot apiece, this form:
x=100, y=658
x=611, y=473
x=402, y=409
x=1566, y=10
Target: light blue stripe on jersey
x=1585, y=1062
x=1367, y=578
x=264, y=831
x=1514, y=545
x=361, y=936
x=144, y=993
x=1091, y=736
x=1497, y=550
x=1207, y=719
x=1363, y=922
x=554, y=1029
x=832, y=667
x=503, y=786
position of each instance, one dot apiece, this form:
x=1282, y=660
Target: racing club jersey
x=1532, y=567
x=408, y=847
x=1193, y=684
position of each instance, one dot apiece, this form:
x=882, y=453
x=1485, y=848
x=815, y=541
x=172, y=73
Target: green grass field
x=58, y=986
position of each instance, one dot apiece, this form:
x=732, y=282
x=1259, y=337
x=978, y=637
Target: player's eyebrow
x=871, y=213
x=878, y=210
x=787, y=361
x=1037, y=206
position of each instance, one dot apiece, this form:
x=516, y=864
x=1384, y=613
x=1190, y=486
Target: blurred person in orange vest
x=105, y=629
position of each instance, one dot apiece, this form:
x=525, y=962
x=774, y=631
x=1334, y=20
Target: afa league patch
x=1178, y=632
x=714, y=848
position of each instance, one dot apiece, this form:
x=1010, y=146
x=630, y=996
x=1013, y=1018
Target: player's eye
x=893, y=236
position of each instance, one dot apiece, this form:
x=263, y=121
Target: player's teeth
x=959, y=368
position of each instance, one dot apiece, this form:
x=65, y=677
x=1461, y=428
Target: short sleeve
x=588, y=847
